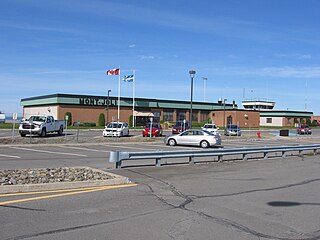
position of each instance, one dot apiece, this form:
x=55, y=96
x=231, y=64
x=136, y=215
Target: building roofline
x=59, y=95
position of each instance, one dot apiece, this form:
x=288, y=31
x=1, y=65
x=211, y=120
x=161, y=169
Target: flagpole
x=119, y=96
x=133, y=103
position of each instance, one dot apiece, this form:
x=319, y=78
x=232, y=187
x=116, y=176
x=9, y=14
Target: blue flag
x=128, y=78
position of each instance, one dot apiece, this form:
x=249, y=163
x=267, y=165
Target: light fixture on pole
x=108, y=102
x=204, y=88
x=192, y=73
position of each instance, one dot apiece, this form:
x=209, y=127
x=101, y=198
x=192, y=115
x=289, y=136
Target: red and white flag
x=115, y=71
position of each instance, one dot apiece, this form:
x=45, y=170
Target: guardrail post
x=300, y=152
x=191, y=160
x=245, y=157
x=158, y=162
x=283, y=154
x=315, y=151
x=118, y=164
x=220, y=158
x=115, y=157
x=265, y=155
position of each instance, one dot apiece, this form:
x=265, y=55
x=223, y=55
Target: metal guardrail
x=118, y=156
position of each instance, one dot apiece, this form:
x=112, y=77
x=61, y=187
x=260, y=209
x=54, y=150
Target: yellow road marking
x=48, y=191
x=68, y=193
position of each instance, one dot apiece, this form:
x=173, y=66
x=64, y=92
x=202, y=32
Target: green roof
x=285, y=113
x=89, y=100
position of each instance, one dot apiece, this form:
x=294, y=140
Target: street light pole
x=108, y=100
x=192, y=73
x=224, y=113
x=204, y=88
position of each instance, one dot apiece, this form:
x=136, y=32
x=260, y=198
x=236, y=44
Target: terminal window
x=269, y=120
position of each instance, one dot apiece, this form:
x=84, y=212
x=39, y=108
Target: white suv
x=211, y=128
x=116, y=129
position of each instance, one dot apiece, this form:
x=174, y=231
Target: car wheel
x=60, y=131
x=43, y=132
x=172, y=142
x=204, y=144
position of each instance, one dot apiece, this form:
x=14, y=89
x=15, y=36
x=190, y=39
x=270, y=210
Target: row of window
x=181, y=115
x=289, y=120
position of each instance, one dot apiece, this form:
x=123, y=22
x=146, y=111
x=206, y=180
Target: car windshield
x=233, y=126
x=209, y=126
x=181, y=124
x=154, y=125
x=114, y=125
x=37, y=119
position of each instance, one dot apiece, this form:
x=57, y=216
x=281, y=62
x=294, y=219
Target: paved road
x=270, y=199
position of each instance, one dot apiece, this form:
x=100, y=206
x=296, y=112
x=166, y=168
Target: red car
x=304, y=129
x=180, y=126
x=155, y=131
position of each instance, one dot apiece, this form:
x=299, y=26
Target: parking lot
x=276, y=198
x=93, y=150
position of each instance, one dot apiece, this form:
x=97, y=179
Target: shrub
x=131, y=120
x=102, y=120
x=308, y=121
x=89, y=124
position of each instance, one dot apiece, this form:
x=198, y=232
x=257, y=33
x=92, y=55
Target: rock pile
x=50, y=175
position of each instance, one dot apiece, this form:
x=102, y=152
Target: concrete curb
x=115, y=180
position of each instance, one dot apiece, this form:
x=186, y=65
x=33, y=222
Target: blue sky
x=267, y=49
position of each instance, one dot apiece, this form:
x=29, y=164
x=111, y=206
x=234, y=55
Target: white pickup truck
x=41, y=125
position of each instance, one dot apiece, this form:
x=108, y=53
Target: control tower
x=257, y=104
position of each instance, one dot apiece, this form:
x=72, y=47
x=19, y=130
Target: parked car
x=211, y=128
x=304, y=129
x=2, y=117
x=232, y=130
x=155, y=131
x=116, y=129
x=196, y=137
x=41, y=125
x=180, y=126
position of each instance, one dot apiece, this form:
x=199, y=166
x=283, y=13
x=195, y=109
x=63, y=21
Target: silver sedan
x=195, y=137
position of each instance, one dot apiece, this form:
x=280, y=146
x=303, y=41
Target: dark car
x=155, y=131
x=180, y=126
x=232, y=130
x=304, y=129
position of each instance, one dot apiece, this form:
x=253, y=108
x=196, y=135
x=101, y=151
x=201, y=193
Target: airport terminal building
x=87, y=108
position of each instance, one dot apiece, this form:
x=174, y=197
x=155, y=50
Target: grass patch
x=8, y=125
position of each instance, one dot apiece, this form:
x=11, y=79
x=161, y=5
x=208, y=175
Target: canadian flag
x=115, y=71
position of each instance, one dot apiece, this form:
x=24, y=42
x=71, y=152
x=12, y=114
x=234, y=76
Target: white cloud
x=294, y=56
x=293, y=72
x=132, y=46
x=146, y=57
x=280, y=72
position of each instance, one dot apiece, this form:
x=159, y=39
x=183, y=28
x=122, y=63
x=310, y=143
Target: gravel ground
x=53, y=139
x=51, y=175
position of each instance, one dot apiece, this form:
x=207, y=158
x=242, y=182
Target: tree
x=308, y=121
x=69, y=121
x=131, y=120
